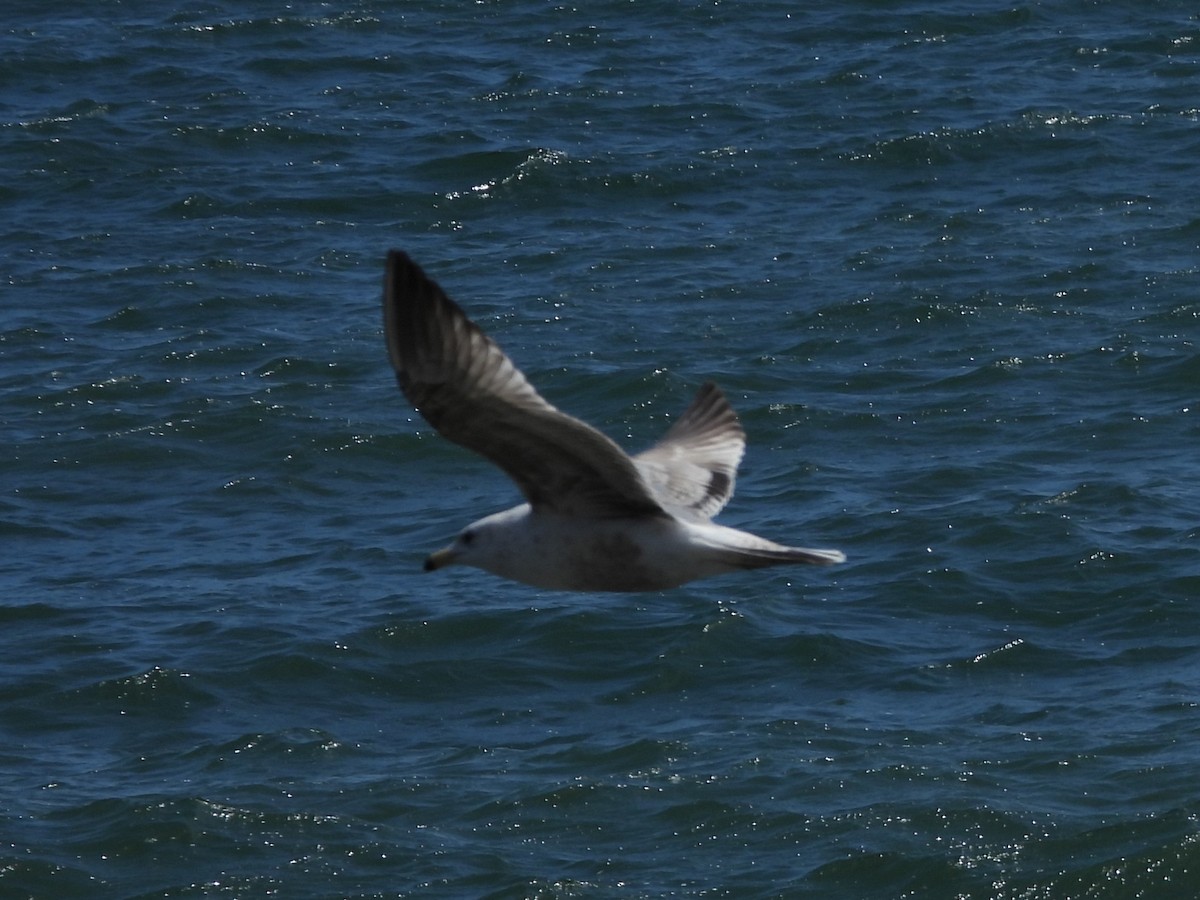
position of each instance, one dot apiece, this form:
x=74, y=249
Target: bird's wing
x=470, y=391
x=692, y=469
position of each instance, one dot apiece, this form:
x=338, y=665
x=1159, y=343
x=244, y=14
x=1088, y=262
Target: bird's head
x=486, y=544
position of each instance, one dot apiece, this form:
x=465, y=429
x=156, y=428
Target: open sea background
x=944, y=260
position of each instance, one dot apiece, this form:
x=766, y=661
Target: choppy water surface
x=943, y=259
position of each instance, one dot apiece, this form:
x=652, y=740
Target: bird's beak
x=443, y=557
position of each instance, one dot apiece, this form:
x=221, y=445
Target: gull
x=595, y=518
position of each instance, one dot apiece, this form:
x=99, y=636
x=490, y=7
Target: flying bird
x=595, y=518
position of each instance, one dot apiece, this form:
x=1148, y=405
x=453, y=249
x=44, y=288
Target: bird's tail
x=759, y=558
x=751, y=552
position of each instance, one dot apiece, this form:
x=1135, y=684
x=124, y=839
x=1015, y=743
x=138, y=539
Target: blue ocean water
x=942, y=258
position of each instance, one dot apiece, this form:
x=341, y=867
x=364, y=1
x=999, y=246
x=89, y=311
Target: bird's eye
x=467, y=537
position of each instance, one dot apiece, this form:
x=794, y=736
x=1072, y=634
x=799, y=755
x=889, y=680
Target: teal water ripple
x=940, y=259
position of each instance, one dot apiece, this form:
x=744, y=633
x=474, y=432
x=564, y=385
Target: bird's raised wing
x=470, y=391
x=692, y=469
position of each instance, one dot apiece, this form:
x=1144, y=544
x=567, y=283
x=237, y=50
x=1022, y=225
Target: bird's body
x=643, y=553
x=596, y=519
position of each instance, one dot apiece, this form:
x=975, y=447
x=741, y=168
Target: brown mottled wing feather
x=466, y=388
x=692, y=469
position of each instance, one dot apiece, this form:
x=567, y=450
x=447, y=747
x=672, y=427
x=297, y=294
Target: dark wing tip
x=399, y=273
x=398, y=262
x=402, y=280
x=423, y=327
